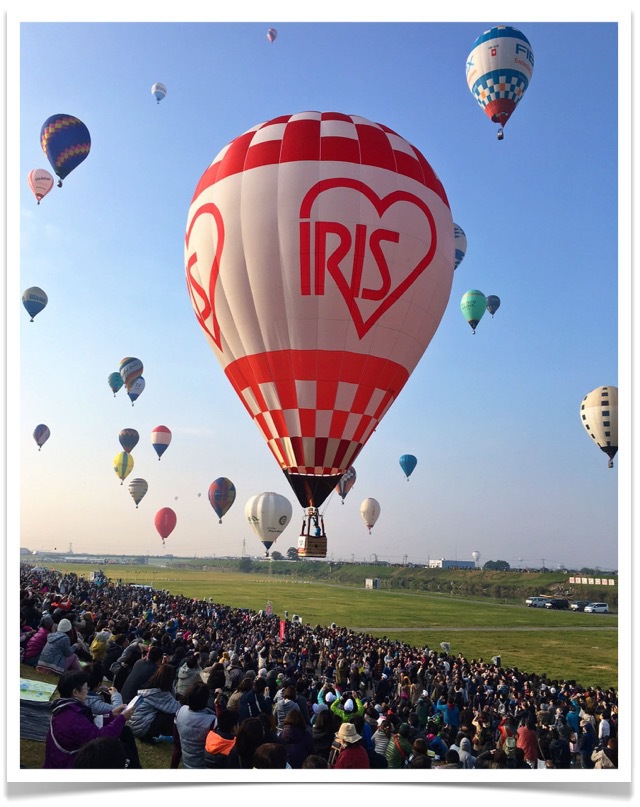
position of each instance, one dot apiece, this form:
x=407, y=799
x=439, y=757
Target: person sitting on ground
x=270, y=755
x=103, y=752
x=58, y=654
x=193, y=722
x=157, y=707
x=297, y=738
x=219, y=746
x=141, y=672
x=36, y=642
x=352, y=753
x=399, y=749
x=71, y=725
x=188, y=673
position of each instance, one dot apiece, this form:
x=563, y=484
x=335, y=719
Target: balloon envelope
x=222, y=494
x=34, y=300
x=271, y=34
x=165, y=522
x=41, y=434
x=309, y=239
x=493, y=304
x=408, y=462
x=268, y=515
x=158, y=91
x=599, y=414
x=460, y=242
x=130, y=369
x=123, y=465
x=40, y=181
x=473, y=305
x=160, y=439
x=115, y=382
x=370, y=510
x=128, y=439
x=347, y=481
x=136, y=390
x=137, y=489
x=66, y=142
x=499, y=69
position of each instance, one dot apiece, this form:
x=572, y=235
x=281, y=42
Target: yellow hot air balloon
x=123, y=465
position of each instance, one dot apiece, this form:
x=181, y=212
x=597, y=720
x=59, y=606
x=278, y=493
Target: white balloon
x=268, y=515
x=370, y=510
x=599, y=414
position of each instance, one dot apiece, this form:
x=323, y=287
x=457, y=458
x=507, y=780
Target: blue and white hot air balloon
x=460, y=240
x=158, y=91
x=499, y=69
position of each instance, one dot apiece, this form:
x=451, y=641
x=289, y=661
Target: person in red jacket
x=353, y=753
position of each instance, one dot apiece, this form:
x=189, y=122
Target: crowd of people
x=232, y=688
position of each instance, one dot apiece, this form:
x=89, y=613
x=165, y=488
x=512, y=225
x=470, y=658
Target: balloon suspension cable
x=324, y=510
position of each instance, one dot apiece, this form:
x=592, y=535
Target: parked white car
x=536, y=602
x=596, y=608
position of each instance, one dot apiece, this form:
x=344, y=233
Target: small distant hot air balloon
x=41, y=434
x=115, y=382
x=599, y=413
x=460, y=240
x=473, y=305
x=476, y=556
x=34, y=300
x=499, y=69
x=128, y=439
x=268, y=515
x=138, y=489
x=222, y=494
x=160, y=439
x=66, y=142
x=130, y=369
x=158, y=91
x=493, y=304
x=123, y=465
x=370, y=510
x=40, y=181
x=136, y=390
x=271, y=34
x=408, y=462
x=165, y=522
x=347, y=481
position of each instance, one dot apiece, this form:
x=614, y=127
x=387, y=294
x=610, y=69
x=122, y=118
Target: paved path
x=492, y=629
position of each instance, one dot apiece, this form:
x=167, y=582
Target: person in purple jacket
x=72, y=725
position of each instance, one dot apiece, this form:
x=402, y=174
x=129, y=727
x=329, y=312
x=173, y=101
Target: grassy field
x=575, y=646
x=564, y=645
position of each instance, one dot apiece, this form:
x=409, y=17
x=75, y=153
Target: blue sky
x=504, y=464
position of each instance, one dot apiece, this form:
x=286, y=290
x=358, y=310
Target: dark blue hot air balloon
x=408, y=462
x=66, y=142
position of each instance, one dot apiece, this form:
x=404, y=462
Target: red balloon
x=165, y=522
x=319, y=255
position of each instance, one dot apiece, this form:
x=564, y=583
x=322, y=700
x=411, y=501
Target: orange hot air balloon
x=310, y=240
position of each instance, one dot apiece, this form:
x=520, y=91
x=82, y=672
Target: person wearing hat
x=352, y=753
x=347, y=706
x=587, y=741
x=58, y=654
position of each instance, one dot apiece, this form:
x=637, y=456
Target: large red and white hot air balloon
x=319, y=255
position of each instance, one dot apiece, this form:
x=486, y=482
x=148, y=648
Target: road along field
x=561, y=644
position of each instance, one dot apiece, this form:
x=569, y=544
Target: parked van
x=536, y=602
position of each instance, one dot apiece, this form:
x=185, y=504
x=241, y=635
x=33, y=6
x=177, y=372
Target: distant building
x=441, y=563
x=372, y=582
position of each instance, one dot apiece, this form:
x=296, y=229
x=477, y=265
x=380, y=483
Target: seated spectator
x=36, y=642
x=220, y=742
x=103, y=752
x=72, y=726
x=270, y=755
x=58, y=654
x=194, y=720
x=155, y=712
